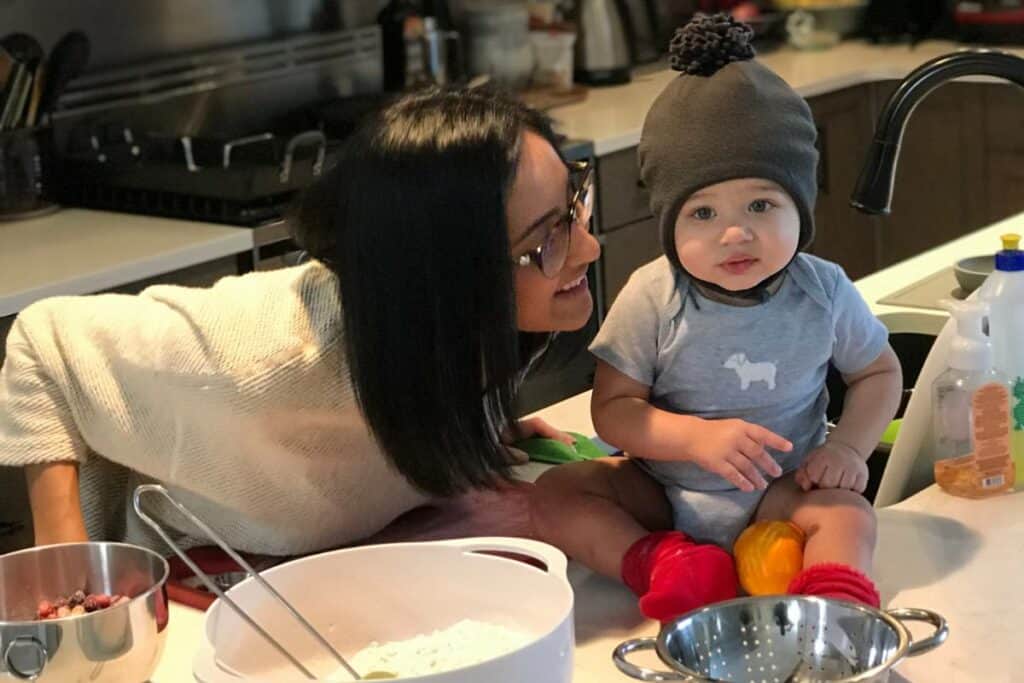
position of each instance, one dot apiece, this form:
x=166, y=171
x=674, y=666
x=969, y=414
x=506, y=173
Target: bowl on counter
x=971, y=272
x=818, y=24
x=769, y=28
x=844, y=17
x=120, y=644
x=388, y=593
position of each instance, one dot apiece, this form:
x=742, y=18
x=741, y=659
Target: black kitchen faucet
x=873, y=193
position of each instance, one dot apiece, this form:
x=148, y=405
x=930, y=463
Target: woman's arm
x=56, y=510
x=37, y=429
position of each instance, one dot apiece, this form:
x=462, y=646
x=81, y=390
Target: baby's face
x=738, y=232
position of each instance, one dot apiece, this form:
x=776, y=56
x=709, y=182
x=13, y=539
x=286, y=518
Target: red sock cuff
x=638, y=560
x=839, y=581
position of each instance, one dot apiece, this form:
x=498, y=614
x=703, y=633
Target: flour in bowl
x=466, y=643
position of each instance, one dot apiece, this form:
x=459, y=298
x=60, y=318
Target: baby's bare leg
x=840, y=524
x=595, y=511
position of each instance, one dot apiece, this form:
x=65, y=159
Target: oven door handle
x=231, y=146
x=307, y=139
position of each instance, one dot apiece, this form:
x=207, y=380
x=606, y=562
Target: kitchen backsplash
x=125, y=32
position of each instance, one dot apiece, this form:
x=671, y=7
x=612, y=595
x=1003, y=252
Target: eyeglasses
x=551, y=254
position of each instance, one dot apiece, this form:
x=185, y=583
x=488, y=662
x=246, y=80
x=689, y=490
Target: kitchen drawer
x=621, y=198
x=624, y=251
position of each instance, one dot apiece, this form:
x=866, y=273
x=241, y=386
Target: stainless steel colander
x=783, y=639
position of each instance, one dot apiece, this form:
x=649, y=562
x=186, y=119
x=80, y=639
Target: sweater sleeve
x=36, y=423
x=75, y=366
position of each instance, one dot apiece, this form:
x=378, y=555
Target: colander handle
x=919, y=647
x=552, y=557
x=638, y=672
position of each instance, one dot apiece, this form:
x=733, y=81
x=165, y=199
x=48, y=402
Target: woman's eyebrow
x=532, y=228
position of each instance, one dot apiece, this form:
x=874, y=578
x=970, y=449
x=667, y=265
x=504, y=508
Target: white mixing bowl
x=396, y=592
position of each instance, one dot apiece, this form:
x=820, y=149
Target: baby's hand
x=833, y=465
x=735, y=450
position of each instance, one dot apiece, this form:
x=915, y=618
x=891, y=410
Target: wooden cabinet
x=842, y=234
x=625, y=250
x=1004, y=144
x=939, y=190
x=1004, y=185
x=621, y=197
x=624, y=225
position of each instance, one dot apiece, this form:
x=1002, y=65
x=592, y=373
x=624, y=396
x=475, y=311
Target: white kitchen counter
x=78, y=251
x=960, y=558
x=894, y=278
x=613, y=116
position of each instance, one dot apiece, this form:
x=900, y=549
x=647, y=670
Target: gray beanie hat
x=725, y=117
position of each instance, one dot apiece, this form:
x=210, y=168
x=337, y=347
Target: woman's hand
x=536, y=428
x=531, y=428
x=736, y=451
x=56, y=509
x=833, y=465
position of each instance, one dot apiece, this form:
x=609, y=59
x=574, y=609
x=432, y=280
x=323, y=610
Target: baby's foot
x=838, y=581
x=673, y=575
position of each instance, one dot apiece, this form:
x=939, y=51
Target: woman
x=292, y=423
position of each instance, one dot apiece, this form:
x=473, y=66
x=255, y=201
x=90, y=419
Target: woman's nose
x=584, y=247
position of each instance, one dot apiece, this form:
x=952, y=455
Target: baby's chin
x=737, y=283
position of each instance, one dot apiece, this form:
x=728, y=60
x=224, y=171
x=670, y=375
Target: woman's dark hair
x=412, y=219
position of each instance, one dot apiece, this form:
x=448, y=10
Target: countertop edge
x=869, y=73
x=131, y=271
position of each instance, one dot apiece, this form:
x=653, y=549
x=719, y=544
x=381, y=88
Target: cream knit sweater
x=236, y=397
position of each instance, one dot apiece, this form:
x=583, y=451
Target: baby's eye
x=704, y=213
x=761, y=205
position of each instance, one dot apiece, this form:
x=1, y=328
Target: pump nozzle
x=1011, y=258
x=971, y=348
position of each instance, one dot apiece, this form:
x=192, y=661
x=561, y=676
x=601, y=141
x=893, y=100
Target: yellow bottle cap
x=1011, y=241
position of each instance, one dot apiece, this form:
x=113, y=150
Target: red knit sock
x=673, y=575
x=838, y=581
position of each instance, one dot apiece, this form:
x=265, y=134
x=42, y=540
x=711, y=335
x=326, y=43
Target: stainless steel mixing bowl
x=121, y=644
x=783, y=639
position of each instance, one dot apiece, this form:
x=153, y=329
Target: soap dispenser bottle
x=971, y=411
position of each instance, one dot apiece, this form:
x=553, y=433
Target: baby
x=712, y=361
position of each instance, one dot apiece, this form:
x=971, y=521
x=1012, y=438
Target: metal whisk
x=210, y=584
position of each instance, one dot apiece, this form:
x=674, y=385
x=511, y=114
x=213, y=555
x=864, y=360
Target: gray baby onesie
x=765, y=364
